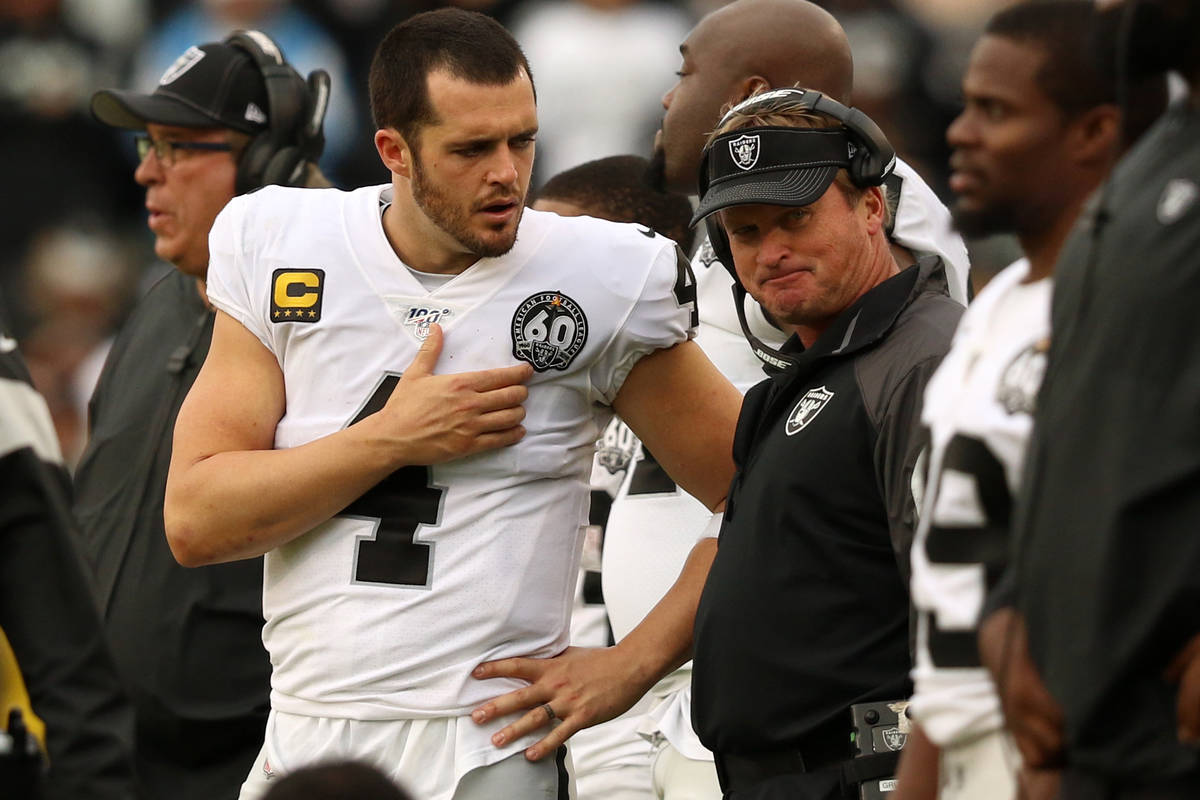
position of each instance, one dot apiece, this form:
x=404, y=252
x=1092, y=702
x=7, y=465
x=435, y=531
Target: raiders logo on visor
x=781, y=166
x=744, y=150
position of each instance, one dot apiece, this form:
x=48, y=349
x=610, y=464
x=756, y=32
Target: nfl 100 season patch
x=548, y=331
x=296, y=294
x=416, y=314
x=811, y=404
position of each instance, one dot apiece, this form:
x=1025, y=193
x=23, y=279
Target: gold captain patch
x=296, y=295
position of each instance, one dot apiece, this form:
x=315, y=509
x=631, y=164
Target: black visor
x=774, y=166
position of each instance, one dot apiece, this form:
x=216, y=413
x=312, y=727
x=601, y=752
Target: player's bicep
x=685, y=412
x=236, y=401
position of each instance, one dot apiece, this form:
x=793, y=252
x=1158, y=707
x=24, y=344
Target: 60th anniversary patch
x=548, y=331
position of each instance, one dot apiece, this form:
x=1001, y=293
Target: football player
x=400, y=408
x=1038, y=132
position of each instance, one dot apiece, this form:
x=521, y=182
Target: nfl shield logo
x=744, y=151
x=807, y=409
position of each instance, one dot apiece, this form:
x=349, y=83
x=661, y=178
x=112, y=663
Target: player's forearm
x=236, y=505
x=917, y=775
x=662, y=642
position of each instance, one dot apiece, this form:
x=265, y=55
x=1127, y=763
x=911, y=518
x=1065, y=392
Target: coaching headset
x=803, y=155
x=295, y=117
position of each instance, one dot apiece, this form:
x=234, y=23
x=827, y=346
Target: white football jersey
x=639, y=567
x=978, y=408
x=383, y=611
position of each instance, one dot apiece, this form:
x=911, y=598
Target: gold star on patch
x=312, y=313
x=277, y=313
x=287, y=313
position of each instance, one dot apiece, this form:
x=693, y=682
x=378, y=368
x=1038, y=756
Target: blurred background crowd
x=74, y=249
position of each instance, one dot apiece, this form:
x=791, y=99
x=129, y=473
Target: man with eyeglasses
x=186, y=643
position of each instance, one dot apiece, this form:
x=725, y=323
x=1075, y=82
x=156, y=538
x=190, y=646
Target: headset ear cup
x=859, y=168
x=875, y=157
x=253, y=163
x=284, y=168
x=294, y=135
x=865, y=169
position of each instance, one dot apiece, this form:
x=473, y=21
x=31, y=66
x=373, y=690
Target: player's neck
x=202, y=290
x=1042, y=247
x=419, y=243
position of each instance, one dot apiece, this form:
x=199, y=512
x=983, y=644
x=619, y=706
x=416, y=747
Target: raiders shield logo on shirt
x=1022, y=378
x=807, y=409
x=548, y=331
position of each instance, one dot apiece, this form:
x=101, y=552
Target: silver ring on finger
x=550, y=715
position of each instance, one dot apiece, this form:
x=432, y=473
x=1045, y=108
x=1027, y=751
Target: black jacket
x=46, y=607
x=806, y=608
x=1107, y=527
x=187, y=642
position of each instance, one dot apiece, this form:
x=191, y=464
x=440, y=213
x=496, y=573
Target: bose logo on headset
x=295, y=117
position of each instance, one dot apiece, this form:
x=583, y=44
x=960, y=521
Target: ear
x=874, y=206
x=748, y=86
x=394, y=151
x=1095, y=135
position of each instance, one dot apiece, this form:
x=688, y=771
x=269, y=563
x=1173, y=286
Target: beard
x=656, y=170
x=975, y=223
x=455, y=220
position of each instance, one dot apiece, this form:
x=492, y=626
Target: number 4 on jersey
x=685, y=286
x=398, y=505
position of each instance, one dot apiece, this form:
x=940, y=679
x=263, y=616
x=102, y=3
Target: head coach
x=806, y=609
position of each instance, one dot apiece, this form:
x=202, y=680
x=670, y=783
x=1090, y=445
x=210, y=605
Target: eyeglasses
x=166, y=149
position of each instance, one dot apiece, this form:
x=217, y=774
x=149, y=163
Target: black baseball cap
x=777, y=166
x=213, y=85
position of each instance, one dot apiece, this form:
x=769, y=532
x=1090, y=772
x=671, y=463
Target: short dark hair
x=1080, y=69
x=336, y=780
x=467, y=44
x=1074, y=75
x=618, y=188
